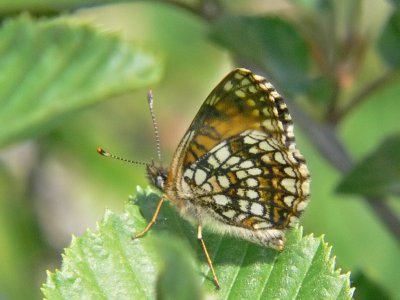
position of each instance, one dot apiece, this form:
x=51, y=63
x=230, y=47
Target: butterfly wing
x=241, y=101
x=250, y=180
x=238, y=159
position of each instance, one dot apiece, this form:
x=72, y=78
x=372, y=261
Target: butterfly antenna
x=153, y=118
x=103, y=152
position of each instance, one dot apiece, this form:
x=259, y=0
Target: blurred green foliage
x=365, y=178
x=336, y=62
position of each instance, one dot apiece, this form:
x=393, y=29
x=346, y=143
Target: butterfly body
x=237, y=167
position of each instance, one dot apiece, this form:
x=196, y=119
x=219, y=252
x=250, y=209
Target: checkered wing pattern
x=238, y=159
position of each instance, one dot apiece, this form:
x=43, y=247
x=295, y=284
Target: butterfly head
x=157, y=176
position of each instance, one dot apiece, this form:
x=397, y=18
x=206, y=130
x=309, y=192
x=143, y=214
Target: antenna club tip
x=101, y=151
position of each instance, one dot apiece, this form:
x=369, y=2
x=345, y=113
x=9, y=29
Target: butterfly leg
x=200, y=237
x=152, y=221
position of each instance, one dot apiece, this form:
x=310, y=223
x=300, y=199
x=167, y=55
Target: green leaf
x=389, y=41
x=377, y=174
x=178, y=278
x=9, y=7
x=367, y=289
x=109, y=265
x=271, y=42
x=20, y=239
x=52, y=68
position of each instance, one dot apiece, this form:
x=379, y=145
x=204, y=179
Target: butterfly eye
x=160, y=182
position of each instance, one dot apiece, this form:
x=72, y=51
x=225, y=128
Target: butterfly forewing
x=241, y=101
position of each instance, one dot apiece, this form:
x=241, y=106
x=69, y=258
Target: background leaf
x=19, y=236
x=45, y=6
x=108, y=264
x=48, y=69
x=389, y=41
x=369, y=289
x=271, y=42
x=378, y=173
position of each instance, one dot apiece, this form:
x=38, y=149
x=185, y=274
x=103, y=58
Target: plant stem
x=363, y=94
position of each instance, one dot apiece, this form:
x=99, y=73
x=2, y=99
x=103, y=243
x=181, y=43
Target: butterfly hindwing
x=249, y=181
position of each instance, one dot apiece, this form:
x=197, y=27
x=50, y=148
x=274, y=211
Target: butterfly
x=237, y=168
